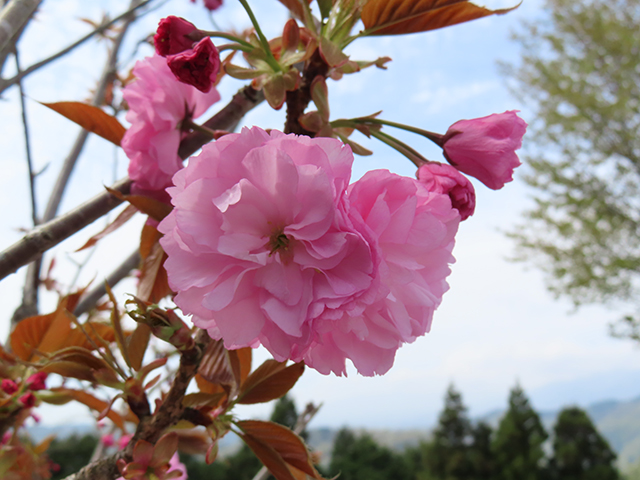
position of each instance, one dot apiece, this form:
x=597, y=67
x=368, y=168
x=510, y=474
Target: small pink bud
x=27, y=400
x=37, y=381
x=212, y=4
x=173, y=36
x=441, y=178
x=124, y=440
x=9, y=386
x=107, y=440
x=198, y=66
x=485, y=147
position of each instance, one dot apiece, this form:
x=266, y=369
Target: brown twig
x=298, y=100
x=4, y=84
x=151, y=428
x=48, y=235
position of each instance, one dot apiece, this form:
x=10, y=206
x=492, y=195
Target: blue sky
x=497, y=325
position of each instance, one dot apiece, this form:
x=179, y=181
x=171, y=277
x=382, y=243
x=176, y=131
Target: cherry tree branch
x=13, y=17
x=151, y=428
x=4, y=84
x=49, y=234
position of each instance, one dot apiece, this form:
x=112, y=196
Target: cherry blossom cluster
x=268, y=243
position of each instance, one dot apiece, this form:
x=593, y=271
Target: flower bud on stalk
x=198, y=66
x=485, y=147
x=445, y=179
x=173, y=36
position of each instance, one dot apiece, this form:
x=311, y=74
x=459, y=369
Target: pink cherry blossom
x=415, y=230
x=441, y=178
x=158, y=103
x=260, y=244
x=172, y=36
x=197, y=66
x=485, y=147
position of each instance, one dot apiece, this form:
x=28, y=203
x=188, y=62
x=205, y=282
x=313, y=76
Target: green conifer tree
x=579, y=451
x=517, y=445
x=482, y=456
x=449, y=455
x=360, y=457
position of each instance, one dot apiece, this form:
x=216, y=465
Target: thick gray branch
x=13, y=17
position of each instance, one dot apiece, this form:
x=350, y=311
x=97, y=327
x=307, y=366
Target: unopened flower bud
x=198, y=66
x=27, y=400
x=37, y=381
x=485, y=147
x=173, y=36
x=441, y=178
x=9, y=386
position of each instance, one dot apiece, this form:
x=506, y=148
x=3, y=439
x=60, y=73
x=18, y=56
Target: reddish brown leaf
x=269, y=457
x=91, y=118
x=70, y=369
x=117, y=325
x=245, y=356
x=205, y=386
x=216, y=366
x=269, y=381
x=44, y=333
x=149, y=206
x=201, y=399
x=91, y=402
x=95, y=331
x=294, y=7
x=79, y=355
x=120, y=220
x=395, y=17
x=148, y=238
x=154, y=284
x=136, y=345
x=289, y=446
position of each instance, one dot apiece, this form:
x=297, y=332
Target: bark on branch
x=13, y=17
x=48, y=235
x=151, y=428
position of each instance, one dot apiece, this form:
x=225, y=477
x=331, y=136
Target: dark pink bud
x=441, y=178
x=198, y=66
x=27, y=400
x=36, y=381
x=173, y=36
x=485, y=147
x=212, y=4
x=9, y=386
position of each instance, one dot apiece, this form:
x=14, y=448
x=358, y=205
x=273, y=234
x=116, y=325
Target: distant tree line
x=518, y=449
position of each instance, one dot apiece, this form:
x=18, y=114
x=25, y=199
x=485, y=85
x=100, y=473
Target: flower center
x=278, y=242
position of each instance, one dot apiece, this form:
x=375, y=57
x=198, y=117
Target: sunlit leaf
x=394, y=17
x=269, y=381
x=154, y=284
x=91, y=118
x=117, y=325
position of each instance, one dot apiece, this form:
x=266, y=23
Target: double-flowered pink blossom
x=158, y=104
x=260, y=242
x=267, y=246
x=441, y=178
x=485, y=147
x=414, y=230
